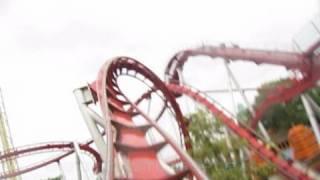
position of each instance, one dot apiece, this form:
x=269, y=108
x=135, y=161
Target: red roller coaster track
x=130, y=142
x=49, y=147
x=127, y=140
x=243, y=132
x=307, y=64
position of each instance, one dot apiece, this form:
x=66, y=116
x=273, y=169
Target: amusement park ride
x=130, y=141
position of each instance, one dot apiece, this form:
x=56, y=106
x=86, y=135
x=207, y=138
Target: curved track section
x=282, y=93
x=306, y=64
x=288, y=59
x=284, y=167
x=139, y=158
x=66, y=147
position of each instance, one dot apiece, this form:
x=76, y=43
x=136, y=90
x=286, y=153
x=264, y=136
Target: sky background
x=49, y=48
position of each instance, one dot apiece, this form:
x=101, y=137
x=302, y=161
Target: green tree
x=280, y=117
x=243, y=113
x=209, y=142
x=209, y=145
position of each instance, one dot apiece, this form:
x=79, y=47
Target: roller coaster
x=133, y=140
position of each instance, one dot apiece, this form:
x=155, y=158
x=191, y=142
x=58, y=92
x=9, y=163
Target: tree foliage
x=280, y=117
x=209, y=141
x=209, y=146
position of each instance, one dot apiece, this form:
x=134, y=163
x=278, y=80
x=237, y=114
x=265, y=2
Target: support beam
x=80, y=162
x=243, y=163
x=230, y=79
x=63, y=175
x=84, y=98
x=315, y=107
x=6, y=142
x=78, y=167
x=96, y=117
x=311, y=117
x=237, y=85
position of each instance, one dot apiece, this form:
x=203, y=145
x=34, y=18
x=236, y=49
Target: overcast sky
x=49, y=48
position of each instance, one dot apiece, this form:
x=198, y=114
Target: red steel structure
x=258, y=146
x=124, y=152
x=130, y=141
x=308, y=64
x=65, y=147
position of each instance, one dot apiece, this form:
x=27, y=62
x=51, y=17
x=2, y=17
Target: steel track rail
x=140, y=158
x=285, y=168
x=48, y=147
x=307, y=64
